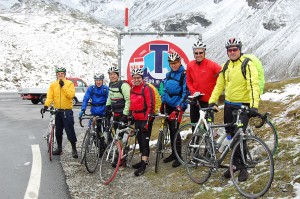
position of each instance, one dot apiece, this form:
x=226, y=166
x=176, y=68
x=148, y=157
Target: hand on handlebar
x=253, y=112
x=215, y=106
x=43, y=110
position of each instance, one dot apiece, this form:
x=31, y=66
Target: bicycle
x=95, y=141
x=119, y=152
x=50, y=133
x=162, y=140
x=201, y=158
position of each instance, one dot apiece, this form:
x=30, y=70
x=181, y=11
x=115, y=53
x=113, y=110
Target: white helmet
x=173, y=57
x=137, y=71
x=98, y=76
x=233, y=42
x=199, y=44
x=113, y=69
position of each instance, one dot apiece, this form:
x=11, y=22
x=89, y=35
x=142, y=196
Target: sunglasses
x=232, y=50
x=198, y=53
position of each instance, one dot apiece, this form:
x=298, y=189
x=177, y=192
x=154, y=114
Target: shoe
x=114, y=163
x=137, y=165
x=142, y=169
x=176, y=163
x=57, y=151
x=227, y=173
x=74, y=153
x=243, y=175
x=170, y=158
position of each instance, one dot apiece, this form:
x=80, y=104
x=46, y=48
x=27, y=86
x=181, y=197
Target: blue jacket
x=99, y=97
x=175, y=95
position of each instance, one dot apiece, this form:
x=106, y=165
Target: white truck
x=37, y=95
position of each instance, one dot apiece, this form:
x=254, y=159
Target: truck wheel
x=74, y=101
x=43, y=99
x=35, y=101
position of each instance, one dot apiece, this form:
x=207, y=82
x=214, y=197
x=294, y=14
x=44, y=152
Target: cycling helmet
x=113, y=69
x=199, y=44
x=173, y=57
x=98, y=76
x=137, y=71
x=233, y=42
x=61, y=69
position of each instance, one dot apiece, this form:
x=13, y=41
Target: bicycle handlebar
x=51, y=110
x=89, y=116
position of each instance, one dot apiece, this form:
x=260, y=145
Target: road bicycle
x=119, y=152
x=201, y=158
x=162, y=141
x=95, y=140
x=264, y=130
x=50, y=133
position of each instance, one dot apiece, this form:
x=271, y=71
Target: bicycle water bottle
x=220, y=139
x=225, y=143
x=125, y=136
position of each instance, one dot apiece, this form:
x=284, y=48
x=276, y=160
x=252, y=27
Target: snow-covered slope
x=37, y=35
x=268, y=28
x=37, y=38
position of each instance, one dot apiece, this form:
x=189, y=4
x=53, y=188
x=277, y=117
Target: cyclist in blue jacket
x=174, y=101
x=98, y=94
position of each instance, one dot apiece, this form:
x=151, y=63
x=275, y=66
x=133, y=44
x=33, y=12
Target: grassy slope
x=287, y=160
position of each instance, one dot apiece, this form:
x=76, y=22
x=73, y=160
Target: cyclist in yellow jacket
x=60, y=93
x=238, y=91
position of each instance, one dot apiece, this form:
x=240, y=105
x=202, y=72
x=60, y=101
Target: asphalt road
x=21, y=127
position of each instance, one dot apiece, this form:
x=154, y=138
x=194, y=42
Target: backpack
x=257, y=63
x=120, y=83
x=156, y=98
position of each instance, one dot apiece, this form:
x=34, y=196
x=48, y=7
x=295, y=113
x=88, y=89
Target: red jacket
x=202, y=78
x=141, y=102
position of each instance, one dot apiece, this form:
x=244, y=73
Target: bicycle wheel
x=197, y=157
x=258, y=163
x=181, y=138
x=159, y=150
x=267, y=133
x=82, y=152
x=92, y=152
x=129, y=150
x=51, y=143
x=110, y=162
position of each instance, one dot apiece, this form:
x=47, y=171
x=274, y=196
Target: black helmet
x=61, y=69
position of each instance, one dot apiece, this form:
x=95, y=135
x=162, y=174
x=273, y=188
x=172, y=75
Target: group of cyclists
x=133, y=102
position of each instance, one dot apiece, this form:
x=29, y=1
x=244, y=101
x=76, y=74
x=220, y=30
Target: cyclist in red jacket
x=141, y=107
x=201, y=77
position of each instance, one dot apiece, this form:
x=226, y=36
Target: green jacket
x=119, y=102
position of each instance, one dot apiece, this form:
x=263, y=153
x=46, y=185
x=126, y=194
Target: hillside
x=283, y=103
x=37, y=36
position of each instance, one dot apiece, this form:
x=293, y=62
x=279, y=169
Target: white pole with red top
x=126, y=16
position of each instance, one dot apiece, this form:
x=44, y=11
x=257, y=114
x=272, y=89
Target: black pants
x=143, y=136
x=228, y=117
x=65, y=120
x=173, y=127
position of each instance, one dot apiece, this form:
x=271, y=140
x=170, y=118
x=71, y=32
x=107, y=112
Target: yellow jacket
x=61, y=96
x=237, y=88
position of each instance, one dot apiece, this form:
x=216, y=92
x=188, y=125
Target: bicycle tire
x=182, y=135
x=260, y=166
x=51, y=143
x=268, y=134
x=92, y=152
x=82, y=152
x=130, y=154
x=159, y=150
x=112, y=153
x=197, y=157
